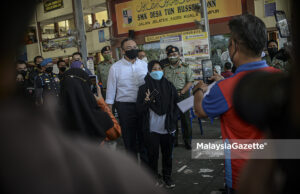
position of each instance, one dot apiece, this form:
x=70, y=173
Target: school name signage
x=141, y=15
x=50, y=5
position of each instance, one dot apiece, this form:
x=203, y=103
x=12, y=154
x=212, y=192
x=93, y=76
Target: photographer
x=248, y=38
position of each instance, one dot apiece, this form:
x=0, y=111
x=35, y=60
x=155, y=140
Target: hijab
x=161, y=103
x=81, y=113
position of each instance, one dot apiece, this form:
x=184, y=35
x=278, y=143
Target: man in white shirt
x=125, y=77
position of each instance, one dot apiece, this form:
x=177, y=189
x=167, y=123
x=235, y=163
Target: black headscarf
x=161, y=103
x=81, y=114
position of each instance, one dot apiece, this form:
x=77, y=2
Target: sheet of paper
x=186, y=104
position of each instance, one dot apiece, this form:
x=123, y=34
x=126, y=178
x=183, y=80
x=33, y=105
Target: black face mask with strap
x=132, y=54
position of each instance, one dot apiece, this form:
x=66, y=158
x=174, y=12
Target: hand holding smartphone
x=207, y=69
x=94, y=82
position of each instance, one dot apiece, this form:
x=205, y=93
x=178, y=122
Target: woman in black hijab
x=157, y=105
x=81, y=113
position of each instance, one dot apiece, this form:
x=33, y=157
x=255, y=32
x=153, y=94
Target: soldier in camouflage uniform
x=46, y=83
x=103, y=68
x=180, y=74
x=273, y=59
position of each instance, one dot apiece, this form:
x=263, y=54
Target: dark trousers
x=166, y=144
x=131, y=132
x=185, y=122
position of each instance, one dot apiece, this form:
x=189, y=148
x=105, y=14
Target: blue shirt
x=214, y=103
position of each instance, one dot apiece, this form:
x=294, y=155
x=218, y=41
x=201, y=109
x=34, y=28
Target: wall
x=270, y=21
x=41, y=15
x=59, y=52
x=32, y=51
x=92, y=3
x=93, y=43
x=93, y=46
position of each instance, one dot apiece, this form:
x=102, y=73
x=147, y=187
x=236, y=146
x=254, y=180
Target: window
x=63, y=28
x=48, y=31
x=100, y=16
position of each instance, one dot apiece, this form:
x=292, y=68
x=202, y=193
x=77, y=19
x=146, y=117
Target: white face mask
x=145, y=59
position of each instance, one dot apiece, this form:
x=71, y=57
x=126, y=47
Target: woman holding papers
x=157, y=106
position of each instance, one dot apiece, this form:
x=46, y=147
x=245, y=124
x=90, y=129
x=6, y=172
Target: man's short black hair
x=168, y=47
x=20, y=62
x=141, y=51
x=227, y=65
x=250, y=33
x=59, y=61
x=272, y=40
x=77, y=53
x=125, y=40
x=36, y=58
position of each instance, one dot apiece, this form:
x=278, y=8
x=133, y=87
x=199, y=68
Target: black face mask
x=62, y=69
x=132, y=54
x=272, y=51
x=23, y=73
x=49, y=69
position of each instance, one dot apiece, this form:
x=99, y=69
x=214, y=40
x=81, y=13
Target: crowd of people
x=145, y=96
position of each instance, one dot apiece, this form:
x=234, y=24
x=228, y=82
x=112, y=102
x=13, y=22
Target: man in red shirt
x=227, y=70
x=248, y=39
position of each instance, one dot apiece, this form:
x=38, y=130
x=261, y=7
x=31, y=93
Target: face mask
x=62, y=69
x=132, y=54
x=173, y=60
x=272, y=51
x=145, y=59
x=49, y=69
x=23, y=73
x=157, y=75
x=107, y=57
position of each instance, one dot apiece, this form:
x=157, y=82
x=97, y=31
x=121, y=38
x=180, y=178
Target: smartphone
x=94, y=82
x=207, y=69
x=282, y=24
x=153, y=94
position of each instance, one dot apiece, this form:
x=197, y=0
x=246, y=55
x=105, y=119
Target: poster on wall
x=50, y=5
x=195, y=49
x=59, y=43
x=101, y=36
x=195, y=45
x=270, y=7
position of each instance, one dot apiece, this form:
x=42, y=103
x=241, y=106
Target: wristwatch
x=195, y=91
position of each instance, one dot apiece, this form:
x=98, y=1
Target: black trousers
x=166, y=144
x=185, y=122
x=131, y=131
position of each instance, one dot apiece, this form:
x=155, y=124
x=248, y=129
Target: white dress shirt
x=124, y=80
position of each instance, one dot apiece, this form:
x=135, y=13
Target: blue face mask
x=157, y=75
